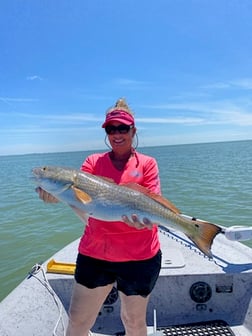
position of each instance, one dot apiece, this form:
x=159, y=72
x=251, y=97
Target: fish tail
x=204, y=235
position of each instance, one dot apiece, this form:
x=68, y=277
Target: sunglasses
x=122, y=129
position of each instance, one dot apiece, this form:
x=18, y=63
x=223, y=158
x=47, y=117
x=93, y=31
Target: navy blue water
x=209, y=181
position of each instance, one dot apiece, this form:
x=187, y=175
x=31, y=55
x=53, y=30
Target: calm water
x=209, y=181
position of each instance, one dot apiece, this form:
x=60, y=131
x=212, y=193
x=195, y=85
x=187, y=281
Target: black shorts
x=132, y=277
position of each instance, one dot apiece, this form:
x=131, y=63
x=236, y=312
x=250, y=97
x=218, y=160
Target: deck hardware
x=201, y=307
x=200, y=292
x=35, y=269
x=224, y=288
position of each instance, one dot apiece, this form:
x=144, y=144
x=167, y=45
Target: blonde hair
x=120, y=105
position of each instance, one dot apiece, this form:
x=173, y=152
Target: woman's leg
x=84, y=308
x=135, y=282
x=133, y=314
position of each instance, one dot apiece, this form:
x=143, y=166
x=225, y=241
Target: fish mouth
x=34, y=177
x=35, y=174
x=35, y=171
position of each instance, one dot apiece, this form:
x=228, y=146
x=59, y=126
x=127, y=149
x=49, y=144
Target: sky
x=184, y=67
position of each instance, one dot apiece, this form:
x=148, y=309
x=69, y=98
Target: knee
x=133, y=322
x=79, y=323
x=74, y=316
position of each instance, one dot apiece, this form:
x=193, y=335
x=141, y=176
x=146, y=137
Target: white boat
x=194, y=295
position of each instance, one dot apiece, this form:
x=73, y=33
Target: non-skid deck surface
x=213, y=328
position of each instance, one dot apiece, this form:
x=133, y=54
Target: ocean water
x=210, y=181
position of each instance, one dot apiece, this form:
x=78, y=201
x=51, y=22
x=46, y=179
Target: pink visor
x=120, y=116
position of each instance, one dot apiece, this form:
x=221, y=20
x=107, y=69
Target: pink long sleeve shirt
x=117, y=241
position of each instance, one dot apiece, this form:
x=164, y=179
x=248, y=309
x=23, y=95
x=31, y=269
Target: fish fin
x=205, y=235
x=107, y=179
x=81, y=214
x=165, y=202
x=158, y=198
x=81, y=195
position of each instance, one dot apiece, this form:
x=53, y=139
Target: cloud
x=242, y=83
x=9, y=101
x=18, y=100
x=34, y=77
x=207, y=113
x=132, y=84
x=55, y=117
x=217, y=85
x=239, y=118
x=127, y=81
x=178, y=120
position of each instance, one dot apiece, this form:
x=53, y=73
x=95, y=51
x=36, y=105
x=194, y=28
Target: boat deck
x=194, y=295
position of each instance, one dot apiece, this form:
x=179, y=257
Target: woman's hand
x=45, y=196
x=135, y=222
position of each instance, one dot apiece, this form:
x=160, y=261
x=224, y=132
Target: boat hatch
x=213, y=328
x=172, y=258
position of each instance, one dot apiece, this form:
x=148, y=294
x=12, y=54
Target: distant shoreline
x=140, y=147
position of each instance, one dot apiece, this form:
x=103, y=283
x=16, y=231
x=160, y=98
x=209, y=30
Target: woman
x=126, y=252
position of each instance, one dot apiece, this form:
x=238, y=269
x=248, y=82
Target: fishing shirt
x=115, y=240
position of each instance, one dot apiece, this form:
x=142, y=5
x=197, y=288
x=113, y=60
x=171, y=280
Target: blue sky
x=184, y=66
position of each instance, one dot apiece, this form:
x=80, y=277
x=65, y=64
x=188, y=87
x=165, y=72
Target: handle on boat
x=238, y=233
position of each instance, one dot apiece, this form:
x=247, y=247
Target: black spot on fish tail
x=204, y=236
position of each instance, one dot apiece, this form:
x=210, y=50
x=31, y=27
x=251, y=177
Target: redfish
x=100, y=198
